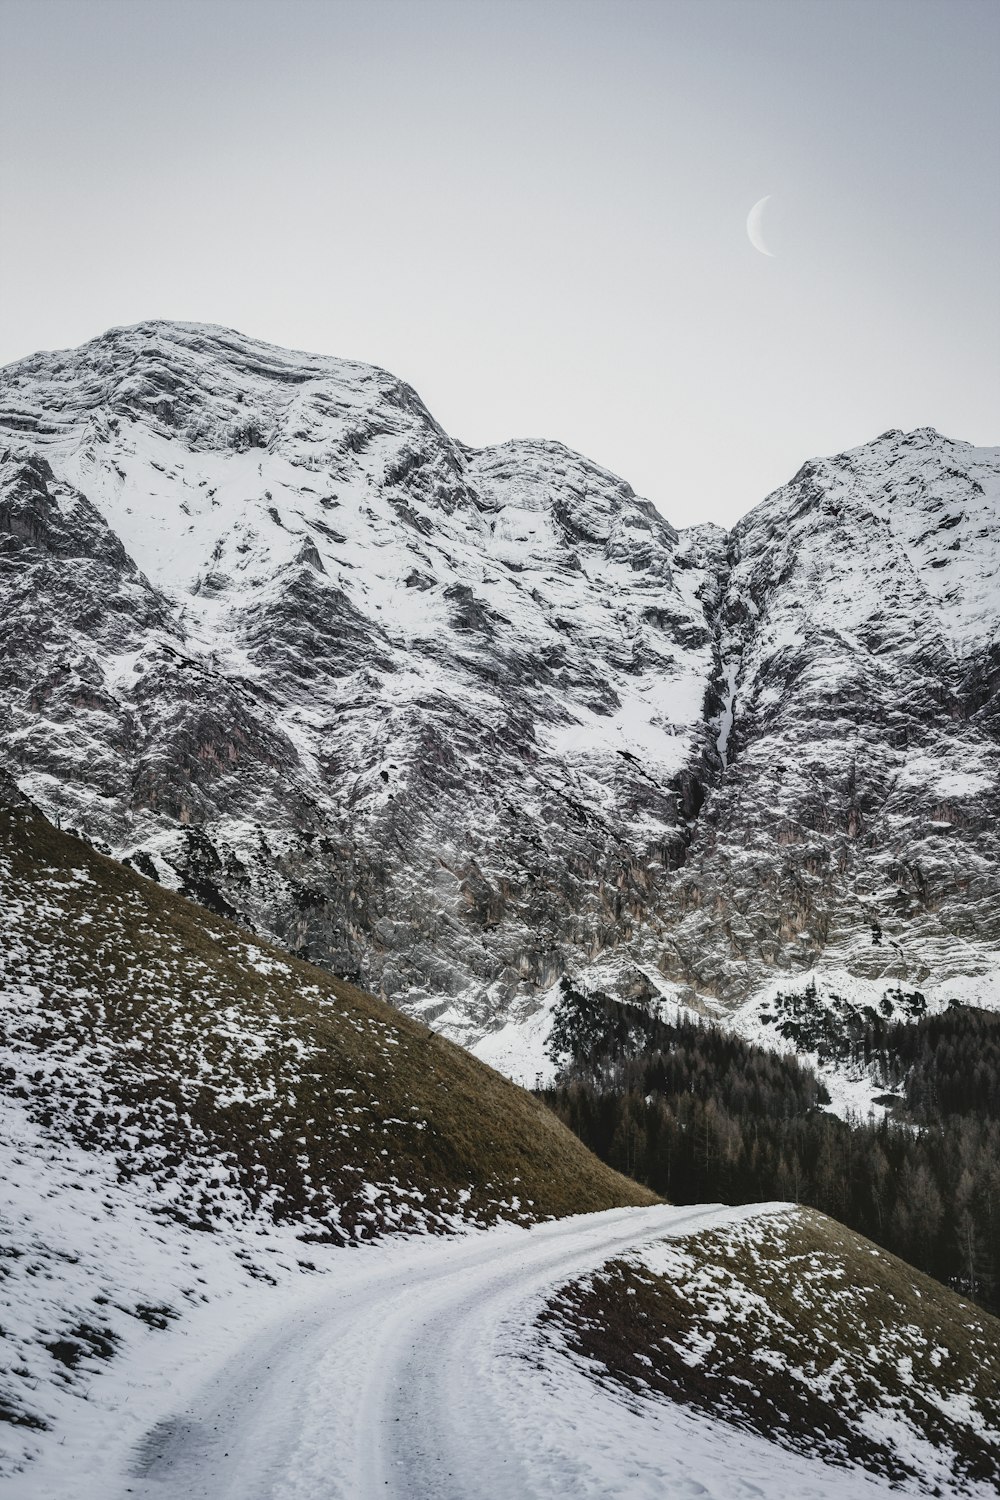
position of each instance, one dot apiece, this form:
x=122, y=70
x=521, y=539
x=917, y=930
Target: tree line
x=942, y=1065
x=698, y=1114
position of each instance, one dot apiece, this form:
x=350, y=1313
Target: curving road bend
x=416, y=1379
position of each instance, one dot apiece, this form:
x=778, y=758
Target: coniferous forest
x=698, y=1114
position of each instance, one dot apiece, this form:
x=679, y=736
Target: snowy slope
x=418, y=1372
x=185, y=1112
x=454, y=723
x=211, y=1155
x=786, y=1325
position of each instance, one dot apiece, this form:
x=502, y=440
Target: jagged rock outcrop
x=456, y=722
x=856, y=822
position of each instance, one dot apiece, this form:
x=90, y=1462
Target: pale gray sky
x=535, y=212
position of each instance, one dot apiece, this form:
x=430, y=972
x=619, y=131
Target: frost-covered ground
x=93, y=1276
x=186, y=1113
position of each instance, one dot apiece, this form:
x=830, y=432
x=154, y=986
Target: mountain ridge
x=456, y=722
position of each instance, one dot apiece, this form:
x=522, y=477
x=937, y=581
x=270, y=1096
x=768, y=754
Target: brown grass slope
x=235, y=1080
x=794, y=1327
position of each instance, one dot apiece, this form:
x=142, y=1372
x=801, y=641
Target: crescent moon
x=755, y=231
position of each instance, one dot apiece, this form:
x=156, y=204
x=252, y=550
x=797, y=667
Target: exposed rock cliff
x=456, y=722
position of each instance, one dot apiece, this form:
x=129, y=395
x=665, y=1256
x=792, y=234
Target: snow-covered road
x=407, y=1369
x=394, y=1383
x=418, y=1378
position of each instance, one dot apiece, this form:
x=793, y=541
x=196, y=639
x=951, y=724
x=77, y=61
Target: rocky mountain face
x=454, y=723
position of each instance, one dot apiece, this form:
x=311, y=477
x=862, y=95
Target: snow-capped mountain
x=456, y=722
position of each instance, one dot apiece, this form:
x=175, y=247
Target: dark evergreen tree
x=698, y=1114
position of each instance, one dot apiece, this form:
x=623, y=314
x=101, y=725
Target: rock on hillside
x=855, y=823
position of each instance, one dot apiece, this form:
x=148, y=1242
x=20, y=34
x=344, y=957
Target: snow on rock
x=456, y=722
x=519, y=1048
x=817, y=1015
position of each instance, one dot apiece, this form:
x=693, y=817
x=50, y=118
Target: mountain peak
x=461, y=722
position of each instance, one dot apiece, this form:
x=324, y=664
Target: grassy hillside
x=188, y=1114
x=794, y=1327
x=239, y=1081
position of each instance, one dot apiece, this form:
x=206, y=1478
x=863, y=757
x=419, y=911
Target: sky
x=535, y=212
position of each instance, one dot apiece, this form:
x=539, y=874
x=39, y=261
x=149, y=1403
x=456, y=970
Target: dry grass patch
x=237, y=1080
